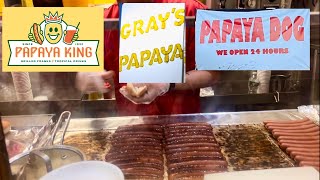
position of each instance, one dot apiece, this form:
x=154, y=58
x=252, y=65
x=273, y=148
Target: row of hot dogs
x=189, y=149
x=300, y=139
x=137, y=151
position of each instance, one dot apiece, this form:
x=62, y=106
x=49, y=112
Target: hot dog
x=199, y=137
x=186, y=128
x=314, y=129
x=112, y=156
x=138, y=134
x=195, y=144
x=192, y=149
x=311, y=150
x=285, y=122
x=306, y=142
x=186, y=176
x=140, y=150
x=140, y=127
x=35, y=30
x=143, y=170
x=293, y=127
x=134, y=140
x=183, y=154
x=199, y=169
x=137, y=159
x=141, y=137
x=193, y=158
x=192, y=140
x=312, y=146
x=280, y=133
x=306, y=158
x=303, y=153
x=190, y=130
x=135, y=147
x=309, y=163
x=290, y=125
x=140, y=176
x=198, y=163
x=191, y=133
x=139, y=164
x=136, y=91
x=306, y=138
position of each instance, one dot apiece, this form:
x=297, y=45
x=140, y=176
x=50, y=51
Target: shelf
x=237, y=99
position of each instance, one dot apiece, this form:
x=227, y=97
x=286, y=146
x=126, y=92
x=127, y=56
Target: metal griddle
x=80, y=128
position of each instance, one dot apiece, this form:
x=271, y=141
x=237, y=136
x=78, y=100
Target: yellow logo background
x=17, y=22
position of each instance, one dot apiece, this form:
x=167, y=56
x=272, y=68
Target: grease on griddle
x=92, y=144
x=246, y=147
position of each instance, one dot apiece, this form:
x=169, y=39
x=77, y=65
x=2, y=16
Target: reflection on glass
x=253, y=83
x=12, y=3
x=47, y=3
x=95, y=96
x=78, y=3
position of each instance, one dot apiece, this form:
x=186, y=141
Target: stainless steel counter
x=256, y=117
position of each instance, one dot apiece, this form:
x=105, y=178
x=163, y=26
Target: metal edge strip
x=190, y=21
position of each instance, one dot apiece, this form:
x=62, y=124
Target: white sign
x=53, y=42
x=152, y=43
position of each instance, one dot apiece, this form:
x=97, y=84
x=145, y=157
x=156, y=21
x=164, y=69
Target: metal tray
x=27, y=130
x=84, y=133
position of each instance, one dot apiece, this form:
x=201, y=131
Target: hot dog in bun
x=136, y=91
x=36, y=32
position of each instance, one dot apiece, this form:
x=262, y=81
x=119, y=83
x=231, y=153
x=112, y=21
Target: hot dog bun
x=136, y=91
x=6, y=126
x=36, y=33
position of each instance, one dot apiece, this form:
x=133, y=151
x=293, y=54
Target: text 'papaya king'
x=53, y=52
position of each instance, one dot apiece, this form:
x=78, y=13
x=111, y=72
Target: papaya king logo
x=53, y=42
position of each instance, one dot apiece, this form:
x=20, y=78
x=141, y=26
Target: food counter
x=174, y=146
x=241, y=137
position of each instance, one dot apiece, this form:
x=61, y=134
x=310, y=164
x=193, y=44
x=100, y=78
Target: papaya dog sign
x=255, y=40
x=52, y=39
x=152, y=43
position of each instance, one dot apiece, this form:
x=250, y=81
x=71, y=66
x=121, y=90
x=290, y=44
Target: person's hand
x=153, y=91
x=31, y=38
x=94, y=81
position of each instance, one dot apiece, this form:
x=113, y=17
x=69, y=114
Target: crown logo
x=53, y=18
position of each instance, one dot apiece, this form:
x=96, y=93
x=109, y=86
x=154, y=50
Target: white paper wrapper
x=311, y=112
